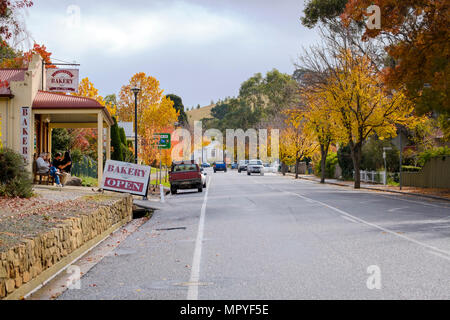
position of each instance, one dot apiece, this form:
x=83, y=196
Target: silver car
x=255, y=166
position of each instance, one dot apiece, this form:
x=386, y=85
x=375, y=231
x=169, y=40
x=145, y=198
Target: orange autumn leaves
x=156, y=114
x=417, y=33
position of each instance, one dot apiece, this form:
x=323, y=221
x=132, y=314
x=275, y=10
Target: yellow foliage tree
x=87, y=89
x=361, y=107
x=156, y=114
x=318, y=121
x=296, y=142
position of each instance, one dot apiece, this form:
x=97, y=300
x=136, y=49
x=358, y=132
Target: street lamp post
x=136, y=91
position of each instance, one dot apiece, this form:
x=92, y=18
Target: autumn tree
x=86, y=139
x=417, y=34
x=10, y=25
x=417, y=40
x=296, y=141
x=319, y=122
x=362, y=107
x=156, y=113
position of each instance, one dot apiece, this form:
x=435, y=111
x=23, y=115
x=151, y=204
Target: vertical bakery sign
x=62, y=80
x=25, y=116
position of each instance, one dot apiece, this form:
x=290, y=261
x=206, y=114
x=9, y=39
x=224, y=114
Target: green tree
x=220, y=110
x=178, y=105
x=61, y=140
x=321, y=11
x=116, y=142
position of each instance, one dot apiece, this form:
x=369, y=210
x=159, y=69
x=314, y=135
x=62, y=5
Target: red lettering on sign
x=124, y=185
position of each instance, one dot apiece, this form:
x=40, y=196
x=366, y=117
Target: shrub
x=15, y=181
x=435, y=152
x=332, y=160
x=411, y=169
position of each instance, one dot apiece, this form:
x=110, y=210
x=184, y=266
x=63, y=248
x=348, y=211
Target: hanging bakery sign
x=62, y=80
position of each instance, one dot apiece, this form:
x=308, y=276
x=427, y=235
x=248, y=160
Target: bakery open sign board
x=126, y=177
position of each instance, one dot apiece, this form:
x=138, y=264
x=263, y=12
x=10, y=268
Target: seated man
x=43, y=166
x=59, y=163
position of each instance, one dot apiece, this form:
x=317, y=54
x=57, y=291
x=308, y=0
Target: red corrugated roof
x=10, y=75
x=49, y=100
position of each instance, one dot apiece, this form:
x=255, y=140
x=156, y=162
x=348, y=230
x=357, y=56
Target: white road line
x=447, y=253
x=349, y=219
x=195, y=271
x=396, y=209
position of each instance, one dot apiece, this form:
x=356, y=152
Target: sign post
x=163, y=141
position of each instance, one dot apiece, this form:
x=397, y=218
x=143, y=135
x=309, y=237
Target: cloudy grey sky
x=201, y=50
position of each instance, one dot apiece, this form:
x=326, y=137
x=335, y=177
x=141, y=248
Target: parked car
x=234, y=165
x=255, y=166
x=219, y=166
x=186, y=175
x=205, y=165
x=242, y=166
x=271, y=167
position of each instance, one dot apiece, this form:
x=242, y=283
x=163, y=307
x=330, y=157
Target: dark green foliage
x=345, y=162
x=123, y=137
x=411, y=169
x=116, y=143
x=331, y=162
x=220, y=110
x=435, y=152
x=321, y=11
x=76, y=155
x=372, y=156
x=15, y=181
x=178, y=105
x=119, y=143
x=61, y=140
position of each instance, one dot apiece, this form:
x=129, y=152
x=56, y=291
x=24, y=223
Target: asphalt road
x=273, y=237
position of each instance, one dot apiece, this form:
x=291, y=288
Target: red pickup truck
x=186, y=175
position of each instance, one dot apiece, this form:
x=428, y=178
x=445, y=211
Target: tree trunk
x=297, y=162
x=323, y=162
x=356, y=157
x=283, y=168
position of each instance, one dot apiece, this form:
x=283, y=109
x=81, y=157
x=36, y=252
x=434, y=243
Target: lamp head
x=135, y=90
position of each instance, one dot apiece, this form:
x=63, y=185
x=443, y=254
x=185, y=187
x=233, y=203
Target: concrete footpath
x=420, y=192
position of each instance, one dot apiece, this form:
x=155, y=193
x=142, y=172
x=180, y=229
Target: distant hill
x=199, y=114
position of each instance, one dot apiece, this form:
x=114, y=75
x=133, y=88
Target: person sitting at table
x=66, y=163
x=43, y=166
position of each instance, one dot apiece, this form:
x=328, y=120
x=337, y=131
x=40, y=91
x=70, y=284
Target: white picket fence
x=372, y=176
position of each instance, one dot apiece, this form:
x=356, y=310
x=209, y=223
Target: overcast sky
x=201, y=50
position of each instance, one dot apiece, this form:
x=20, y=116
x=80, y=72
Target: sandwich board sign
x=126, y=177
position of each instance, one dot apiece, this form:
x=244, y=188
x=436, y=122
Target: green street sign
x=162, y=140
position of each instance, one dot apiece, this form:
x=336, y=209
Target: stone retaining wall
x=23, y=263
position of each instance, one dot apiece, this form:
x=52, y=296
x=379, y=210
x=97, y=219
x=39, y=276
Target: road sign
x=162, y=140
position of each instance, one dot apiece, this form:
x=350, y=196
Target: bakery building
x=30, y=108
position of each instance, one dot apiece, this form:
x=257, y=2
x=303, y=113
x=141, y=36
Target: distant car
x=205, y=165
x=242, y=166
x=219, y=166
x=234, y=165
x=255, y=166
x=186, y=175
x=271, y=168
